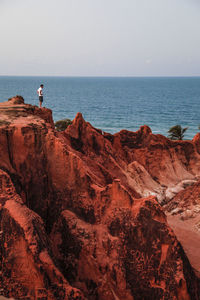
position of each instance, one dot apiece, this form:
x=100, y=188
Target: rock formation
x=80, y=213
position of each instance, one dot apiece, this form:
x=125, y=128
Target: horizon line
x=106, y=76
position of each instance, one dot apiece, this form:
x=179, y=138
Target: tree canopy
x=177, y=132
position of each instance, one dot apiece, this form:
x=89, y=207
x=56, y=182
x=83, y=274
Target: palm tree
x=177, y=132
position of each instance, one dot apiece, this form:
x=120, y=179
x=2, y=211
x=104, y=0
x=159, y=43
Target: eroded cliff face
x=79, y=217
x=27, y=265
x=183, y=216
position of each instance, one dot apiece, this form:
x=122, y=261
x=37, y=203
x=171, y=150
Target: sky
x=100, y=37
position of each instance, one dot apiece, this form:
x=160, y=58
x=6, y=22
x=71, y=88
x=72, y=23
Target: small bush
x=2, y=122
x=62, y=124
x=17, y=99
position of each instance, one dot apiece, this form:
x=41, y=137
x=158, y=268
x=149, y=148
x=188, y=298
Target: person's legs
x=40, y=101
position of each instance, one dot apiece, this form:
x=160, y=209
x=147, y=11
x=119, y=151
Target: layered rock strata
x=79, y=210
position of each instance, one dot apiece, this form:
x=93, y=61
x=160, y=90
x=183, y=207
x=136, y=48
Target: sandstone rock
x=27, y=267
x=185, y=208
x=72, y=213
x=129, y=257
x=186, y=199
x=196, y=141
x=173, y=190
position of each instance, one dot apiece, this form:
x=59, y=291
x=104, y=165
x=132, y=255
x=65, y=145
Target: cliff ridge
x=81, y=214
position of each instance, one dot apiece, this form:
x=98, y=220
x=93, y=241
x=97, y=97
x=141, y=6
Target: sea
x=115, y=103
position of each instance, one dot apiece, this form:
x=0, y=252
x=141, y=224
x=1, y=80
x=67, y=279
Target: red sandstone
x=79, y=210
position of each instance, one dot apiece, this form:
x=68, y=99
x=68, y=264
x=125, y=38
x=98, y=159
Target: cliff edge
x=80, y=210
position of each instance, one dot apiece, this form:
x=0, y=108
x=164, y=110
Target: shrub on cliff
x=177, y=132
x=3, y=122
x=17, y=99
x=61, y=125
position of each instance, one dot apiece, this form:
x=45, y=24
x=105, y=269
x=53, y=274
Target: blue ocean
x=114, y=103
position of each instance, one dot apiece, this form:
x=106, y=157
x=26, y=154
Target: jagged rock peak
x=79, y=118
x=79, y=122
x=146, y=130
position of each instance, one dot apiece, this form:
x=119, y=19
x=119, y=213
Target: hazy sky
x=100, y=37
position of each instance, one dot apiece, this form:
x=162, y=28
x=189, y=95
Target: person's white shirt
x=40, y=92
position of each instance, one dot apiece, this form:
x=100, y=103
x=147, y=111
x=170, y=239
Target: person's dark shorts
x=41, y=98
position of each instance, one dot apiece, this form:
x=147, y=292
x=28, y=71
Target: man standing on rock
x=40, y=93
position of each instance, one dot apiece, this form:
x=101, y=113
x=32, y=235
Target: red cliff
x=79, y=210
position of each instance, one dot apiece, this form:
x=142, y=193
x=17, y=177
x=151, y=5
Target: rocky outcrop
x=79, y=217
x=27, y=265
x=183, y=216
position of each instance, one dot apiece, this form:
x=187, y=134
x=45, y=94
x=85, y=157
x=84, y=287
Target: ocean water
x=112, y=104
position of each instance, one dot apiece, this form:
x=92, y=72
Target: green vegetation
x=177, y=132
x=62, y=124
x=17, y=99
x=3, y=122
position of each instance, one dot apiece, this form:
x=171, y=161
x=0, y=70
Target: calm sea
x=113, y=104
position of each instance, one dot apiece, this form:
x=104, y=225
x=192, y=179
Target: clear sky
x=100, y=37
